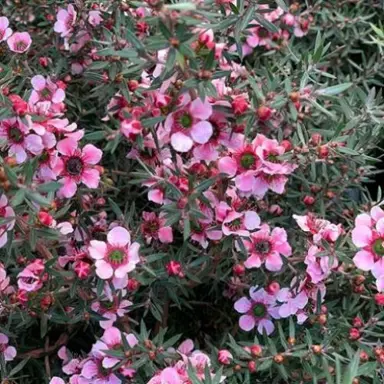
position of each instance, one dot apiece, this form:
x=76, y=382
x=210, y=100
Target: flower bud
x=379, y=299
x=173, y=268
x=45, y=218
x=364, y=356
x=309, y=200
x=256, y=350
x=354, y=334
x=252, y=366
x=238, y=269
x=264, y=113
x=357, y=322
x=273, y=288
x=224, y=357
x=278, y=359
x=317, y=349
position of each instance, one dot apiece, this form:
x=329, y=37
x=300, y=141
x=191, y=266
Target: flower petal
x=201, y=132
x=364, y=260
x=243, y=305
x=119, y=236
x=247, y=322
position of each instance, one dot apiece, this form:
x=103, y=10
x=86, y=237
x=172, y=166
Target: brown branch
x=47, y=350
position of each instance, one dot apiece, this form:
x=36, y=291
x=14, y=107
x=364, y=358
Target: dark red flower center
x=45, y=94
x=263, y=33
x=15, y=135
x=74, y=166
x=263, y=247
x=20, y=46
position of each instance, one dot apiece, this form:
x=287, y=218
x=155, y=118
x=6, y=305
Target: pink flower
x=19, y=139
x=368, y=235
x=19, y=42
x=292, y=302
x=9, y=353
x=224, y=357
x=94, y=18
x=189, y=125
x=5, y=32
x=6, y=212
x=30, y=278
x=153, y=227
x=168, y=375
x=111, y=310
x=319, y=267
x=56, y=380
x=77, y=166
x=65, y=21
x=267, y=247
x=240, y=223
x=257, y=311
x=45, y=90
x=259, y=37
x=319, y=228
x=4, y=280
x=117, y=257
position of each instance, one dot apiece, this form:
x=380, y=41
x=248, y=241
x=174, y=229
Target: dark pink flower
x=76, y=166
x=66, y=19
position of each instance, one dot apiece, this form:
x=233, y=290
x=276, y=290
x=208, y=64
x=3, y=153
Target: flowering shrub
x=184, y=192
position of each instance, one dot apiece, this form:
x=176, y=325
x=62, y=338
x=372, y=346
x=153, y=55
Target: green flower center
x=263, y=247
x=262, y=32
x=15, y=135
x=45, y=94
x=186, y=120
x=378, y=247
x=259, y=310
x=235, y=224
x=247, y=160
x=116, y=256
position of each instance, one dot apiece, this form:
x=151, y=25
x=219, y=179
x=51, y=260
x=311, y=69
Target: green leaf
x=334, y=90
x=49, y=187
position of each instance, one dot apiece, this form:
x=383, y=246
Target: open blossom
x=66, y=19
x=240, y=223
x=319, y=267
x=111, y=310
x=76, y=166
x=19, y=42
x=256, y=167
x=368, y=235
x=266, y=246
x=257, y=311
x=5, y=32
x=292, y=302
x=19, y=139
x=153, y=227
x=94, y=18
x=319, y=228
x=30, y=279
x=6, y=212
x=8, y=352
x=45, y=90
x=117, y=256
x=188, y=125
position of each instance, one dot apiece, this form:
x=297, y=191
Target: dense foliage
x=190, y=192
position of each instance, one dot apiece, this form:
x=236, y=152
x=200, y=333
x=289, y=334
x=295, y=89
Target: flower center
x=235, y=224
x=44, y=157
x=116, y=256
x=15, y=135
x=273, y=158
x=20, y=46
x=263, y=247
x=263, y=33
x=259, y=310
x=45, y=94
x=378, y=247
x=247, y=160
x=74, y=166
x=186, y=120
x=151, y=227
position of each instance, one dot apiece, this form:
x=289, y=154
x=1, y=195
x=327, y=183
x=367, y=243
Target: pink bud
x=225, y=357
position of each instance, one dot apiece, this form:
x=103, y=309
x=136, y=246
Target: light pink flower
x=292, y=302
x=240, y=223
x=267, y=247
x=94, y=18
x=257, y=311
x=30, y=278
x=5, y=32
x=56, y=380
x=9, y=353
x=76, y=166
x=117, y=257
x=45, y=90
x=19, y=42
x=259, y=37
x=66, y=19
x=319, y=267
x=188, y=125
x=111, y=310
